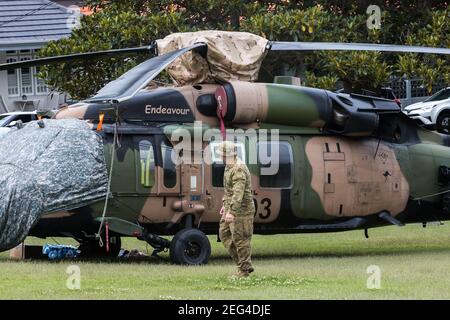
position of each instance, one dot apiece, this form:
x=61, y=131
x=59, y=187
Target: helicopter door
x=158, y=180
x=274, y=181
x=192, y=177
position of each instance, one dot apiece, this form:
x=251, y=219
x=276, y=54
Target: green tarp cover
x=58, y=167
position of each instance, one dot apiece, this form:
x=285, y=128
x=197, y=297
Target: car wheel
x=190, y=246
x=443, y=123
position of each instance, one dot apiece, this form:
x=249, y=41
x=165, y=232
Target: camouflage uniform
x=238, y=201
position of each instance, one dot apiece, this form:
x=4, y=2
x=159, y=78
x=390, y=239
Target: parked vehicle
x=433, y=112
x=8, y=120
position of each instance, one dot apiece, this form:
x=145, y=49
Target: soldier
x=236, y=224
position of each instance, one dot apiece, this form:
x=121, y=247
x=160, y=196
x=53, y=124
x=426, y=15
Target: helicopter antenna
x=378, y=145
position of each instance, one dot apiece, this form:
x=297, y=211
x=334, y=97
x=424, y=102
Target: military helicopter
x=343, y=161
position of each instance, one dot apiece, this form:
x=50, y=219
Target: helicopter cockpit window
x=218, y=167
x=275, y=164
x=170, y=174
x=147, y=164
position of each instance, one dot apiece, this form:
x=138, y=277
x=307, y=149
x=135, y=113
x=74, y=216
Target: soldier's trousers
x=236, y=237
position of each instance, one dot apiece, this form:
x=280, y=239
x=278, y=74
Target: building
x=26, y=26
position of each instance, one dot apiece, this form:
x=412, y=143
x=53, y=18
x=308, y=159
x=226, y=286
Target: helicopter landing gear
x=190, y=246
x=158, y=243
x=92, y=248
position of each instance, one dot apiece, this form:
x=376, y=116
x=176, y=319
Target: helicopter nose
x=47, y=166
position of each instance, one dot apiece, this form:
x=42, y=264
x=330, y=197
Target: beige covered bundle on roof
x=230, y=56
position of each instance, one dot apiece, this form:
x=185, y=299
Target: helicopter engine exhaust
x=348, y=114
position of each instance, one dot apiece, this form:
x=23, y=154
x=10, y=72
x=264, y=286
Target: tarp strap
x=105, y=207
x=107, y=236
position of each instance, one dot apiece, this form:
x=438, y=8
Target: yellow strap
x=143, y=172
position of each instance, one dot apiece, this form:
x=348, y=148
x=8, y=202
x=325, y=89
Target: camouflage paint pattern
x=377, y=160
x=353, y=178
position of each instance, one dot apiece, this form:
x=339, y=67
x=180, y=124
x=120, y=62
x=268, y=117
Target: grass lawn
x=414, y=263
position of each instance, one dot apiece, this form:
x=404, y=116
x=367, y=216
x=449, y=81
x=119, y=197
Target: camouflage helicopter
x=343, y=161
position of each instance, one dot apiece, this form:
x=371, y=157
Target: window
x=218, y=167
x=170, y=173
x=147, y=163
x=275, y=171
x=41, y=87
x=25, y=118
x=13, y=79
x=24, y=81
x=26, y=77
x=440, y=95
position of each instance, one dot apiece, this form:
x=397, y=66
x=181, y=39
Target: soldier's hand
x=229, y=217
x=222, y=210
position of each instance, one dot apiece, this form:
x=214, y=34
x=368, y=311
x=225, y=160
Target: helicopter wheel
x=190, y=246
x=91, y=247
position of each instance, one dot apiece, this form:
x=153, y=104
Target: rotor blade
x=127, y=85
x=75, y=56
x=316, y=46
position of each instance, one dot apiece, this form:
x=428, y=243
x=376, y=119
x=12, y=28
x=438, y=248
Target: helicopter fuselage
x=338, y=169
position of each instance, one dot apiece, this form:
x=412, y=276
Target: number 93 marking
x=266, y=203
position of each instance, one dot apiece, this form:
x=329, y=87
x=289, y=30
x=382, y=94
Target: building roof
x=31, y=23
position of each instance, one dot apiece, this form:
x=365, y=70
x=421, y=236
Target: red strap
x=222, y=108
x=222, y=128
x=107, y=236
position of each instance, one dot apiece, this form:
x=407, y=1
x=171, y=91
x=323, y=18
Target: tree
x=434, y=33
x=128, y=23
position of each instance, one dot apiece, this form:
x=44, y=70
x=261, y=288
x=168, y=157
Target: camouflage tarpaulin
x=58, y=167
x=230, y=56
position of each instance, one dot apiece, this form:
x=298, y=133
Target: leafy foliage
x=129, y=23
x=431, y=32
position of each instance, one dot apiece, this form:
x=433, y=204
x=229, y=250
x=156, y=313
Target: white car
x=433, y=112
x=8, y=120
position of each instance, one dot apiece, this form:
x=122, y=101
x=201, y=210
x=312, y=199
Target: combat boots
x=240, y=274
x=243, y=273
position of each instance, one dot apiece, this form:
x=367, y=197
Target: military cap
x=227, y=148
